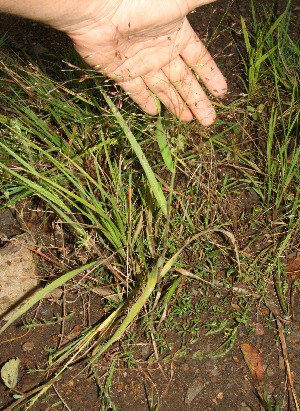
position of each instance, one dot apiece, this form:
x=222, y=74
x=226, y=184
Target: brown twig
x=287, y=365
x=61, y=398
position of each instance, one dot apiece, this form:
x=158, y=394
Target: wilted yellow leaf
x=9, y=372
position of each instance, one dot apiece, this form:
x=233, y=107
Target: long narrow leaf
x=164, y=146
x=157, y=191
x=136, y=308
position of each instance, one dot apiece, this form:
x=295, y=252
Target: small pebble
x=215, y=372
x=146, y=350
x=270, y=371
x=258, y=329
x=28, y=346
x=193, y=391
x=244, y=407
x=236, y=359
x=281, y=363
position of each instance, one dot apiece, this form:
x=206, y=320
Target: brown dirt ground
x=185, y=382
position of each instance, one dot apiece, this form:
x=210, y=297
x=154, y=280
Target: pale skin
x=146, y=46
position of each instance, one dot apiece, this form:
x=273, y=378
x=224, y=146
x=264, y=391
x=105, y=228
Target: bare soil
x=191, y=380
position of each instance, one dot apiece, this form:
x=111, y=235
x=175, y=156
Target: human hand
x=149, y=48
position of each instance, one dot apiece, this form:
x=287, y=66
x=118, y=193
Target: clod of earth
x=17, y=274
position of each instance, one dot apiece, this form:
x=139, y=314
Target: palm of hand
x=149, y=47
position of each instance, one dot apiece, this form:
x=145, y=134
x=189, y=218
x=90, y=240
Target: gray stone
x=193, y=391
x=17, y=273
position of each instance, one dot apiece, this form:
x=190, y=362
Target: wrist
x=63, y=16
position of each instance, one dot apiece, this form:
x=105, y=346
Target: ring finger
x=190, y=90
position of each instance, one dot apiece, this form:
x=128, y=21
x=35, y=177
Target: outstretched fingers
x=176, y=86
x=175, y=83
x=141, y=90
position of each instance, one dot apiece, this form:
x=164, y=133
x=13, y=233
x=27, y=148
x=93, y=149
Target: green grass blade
x=136, y=308
x=164, y=146
x=156, y=188
x=246, y=36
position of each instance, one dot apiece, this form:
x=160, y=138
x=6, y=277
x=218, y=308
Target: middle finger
x=161, y=86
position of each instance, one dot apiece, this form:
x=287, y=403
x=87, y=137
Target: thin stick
x=287, y=364
x=61, y=398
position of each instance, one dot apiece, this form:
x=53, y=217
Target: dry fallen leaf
x=293, y=263
x=9, y=372
x=253, y=360
x=293, y=266
x=106, y=292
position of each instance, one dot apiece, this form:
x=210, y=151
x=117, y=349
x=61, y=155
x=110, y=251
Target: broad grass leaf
x=164, y=146
x=9, y=372
x=246, y=35
x=253, y=360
